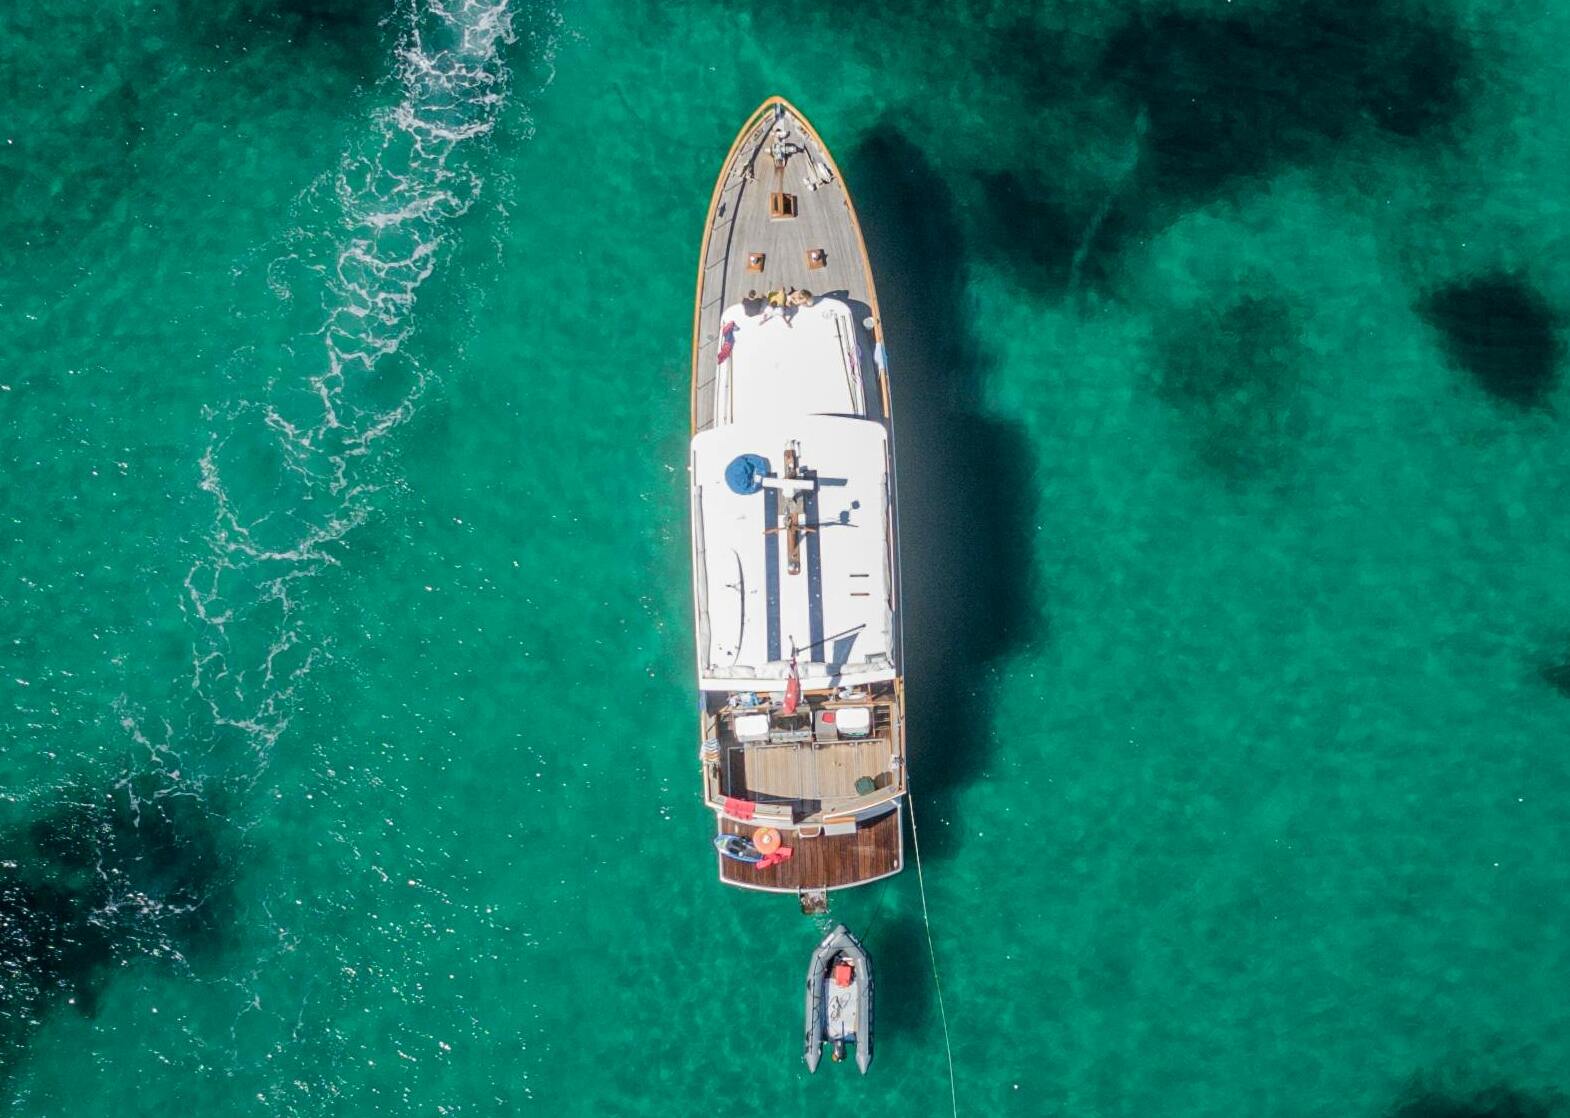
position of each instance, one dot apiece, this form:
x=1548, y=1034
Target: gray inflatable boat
x=839, y=1000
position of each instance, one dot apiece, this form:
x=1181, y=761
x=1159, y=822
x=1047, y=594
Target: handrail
x=875, y=798
x=769, y=811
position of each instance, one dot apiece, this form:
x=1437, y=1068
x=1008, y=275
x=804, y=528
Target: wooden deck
x=808, y=773
x=741, y=225
x=877, y=849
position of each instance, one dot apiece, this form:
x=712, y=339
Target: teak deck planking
x=825, y=861
x=806, y=771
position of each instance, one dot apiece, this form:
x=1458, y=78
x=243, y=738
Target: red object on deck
x=792, y=691
x=728, y=341
x=843, y=974
x=739, y=809
x=776, y=858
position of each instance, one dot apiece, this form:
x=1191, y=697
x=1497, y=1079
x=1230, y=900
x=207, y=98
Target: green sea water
x=347, y=750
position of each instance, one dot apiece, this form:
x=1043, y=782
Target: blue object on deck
x=746, y=472
x=738, y=849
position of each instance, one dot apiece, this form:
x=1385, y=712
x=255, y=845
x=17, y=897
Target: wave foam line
x=396, y=199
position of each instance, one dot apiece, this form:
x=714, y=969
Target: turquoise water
x=346, y=749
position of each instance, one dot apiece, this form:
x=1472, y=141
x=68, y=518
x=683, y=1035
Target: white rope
x=932, y=952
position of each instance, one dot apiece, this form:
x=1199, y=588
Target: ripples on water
x=321, y=426
x=292, y=466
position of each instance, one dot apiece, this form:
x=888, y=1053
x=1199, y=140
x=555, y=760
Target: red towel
x=727, y=343
x=776, y=858
x=739, y=809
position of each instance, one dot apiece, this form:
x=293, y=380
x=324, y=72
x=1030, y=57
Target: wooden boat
x=839, y=1000
x=794, y=543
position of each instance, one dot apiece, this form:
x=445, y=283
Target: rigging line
x=932, y=952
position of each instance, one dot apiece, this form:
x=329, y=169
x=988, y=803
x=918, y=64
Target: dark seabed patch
x=97, y=123
x=1182, y=107
x=1234, y=94
x=1086, y=133
x=1053, y=247
x=1232, y=372
x=347, y=35
x=1557, y=675
x=1034, y=231
x=1494, y=1102
x=140, y=870
x=1503, y=331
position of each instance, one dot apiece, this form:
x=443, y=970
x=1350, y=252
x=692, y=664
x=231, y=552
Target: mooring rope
x=932, y=952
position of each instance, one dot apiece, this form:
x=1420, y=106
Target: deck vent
x=816, y=258
x=781, y=205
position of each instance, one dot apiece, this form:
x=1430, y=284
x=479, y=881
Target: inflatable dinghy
x=839, y=1000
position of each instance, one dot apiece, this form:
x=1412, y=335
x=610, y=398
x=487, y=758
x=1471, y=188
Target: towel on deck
x=776, y=858
x=727, y=343
x=739, y=809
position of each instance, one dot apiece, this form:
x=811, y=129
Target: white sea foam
x=292, y=468
x=319, y=427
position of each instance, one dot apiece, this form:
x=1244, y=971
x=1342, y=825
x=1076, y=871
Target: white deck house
x=799, y=561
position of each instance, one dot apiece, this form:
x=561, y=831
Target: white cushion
x=853, y=722
x=751, y=727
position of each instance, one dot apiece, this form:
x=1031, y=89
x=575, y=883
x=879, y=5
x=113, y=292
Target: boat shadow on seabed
x=967, y=483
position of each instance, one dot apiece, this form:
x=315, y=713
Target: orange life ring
x=766, y=839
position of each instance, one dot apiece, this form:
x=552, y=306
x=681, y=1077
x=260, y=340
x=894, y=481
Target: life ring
x=766, y=839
